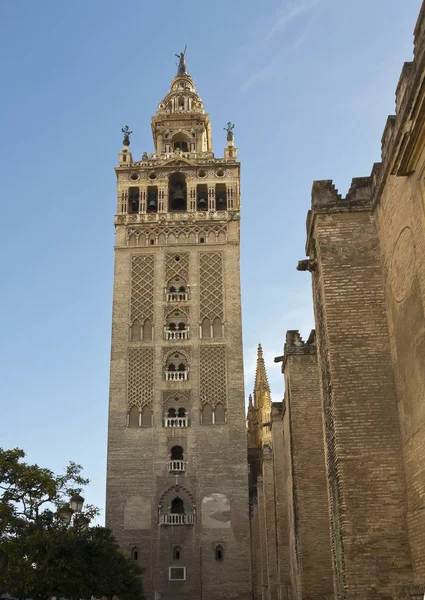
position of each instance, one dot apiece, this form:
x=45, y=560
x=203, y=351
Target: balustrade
x=176, y=466
x=177, y=296
x=176, y=375
x=176, y=334
x=176, y=422
x=177, y=519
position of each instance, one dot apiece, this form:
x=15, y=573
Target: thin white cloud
x=289, y=12
x=264, y=72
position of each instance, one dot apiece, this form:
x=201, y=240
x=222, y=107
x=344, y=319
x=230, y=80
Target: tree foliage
x=42, y=553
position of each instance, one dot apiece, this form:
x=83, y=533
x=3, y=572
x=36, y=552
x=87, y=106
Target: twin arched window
x=140, y=417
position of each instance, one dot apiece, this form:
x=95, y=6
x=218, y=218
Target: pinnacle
x=261, y=380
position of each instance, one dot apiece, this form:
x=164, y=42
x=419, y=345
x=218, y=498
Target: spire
x=261, y=380
x=262, y=398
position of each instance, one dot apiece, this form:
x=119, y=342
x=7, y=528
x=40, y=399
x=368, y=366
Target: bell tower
x=177, y=482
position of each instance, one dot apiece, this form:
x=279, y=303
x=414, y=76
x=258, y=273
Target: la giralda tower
x=177, y=487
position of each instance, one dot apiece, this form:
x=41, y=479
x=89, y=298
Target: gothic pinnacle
x=261, y=380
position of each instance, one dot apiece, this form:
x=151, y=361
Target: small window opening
x=202, y=240
x=177, y=553
x=135, y=554
x=152, y=242
x=181, y=146
x=219, y=553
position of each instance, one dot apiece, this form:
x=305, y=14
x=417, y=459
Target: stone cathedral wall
x=353, y=419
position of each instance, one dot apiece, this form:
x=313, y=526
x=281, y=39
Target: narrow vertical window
x=219, y=553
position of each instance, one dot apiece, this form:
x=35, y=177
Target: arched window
x=172, y=367
x=220, y=196
x=176, y=453
x=152, y=199
x=133, y=417
x=146, y=417
x=206, y=328
x=219, y=552
x=202, y=197
x=177, y=506
x=147, y=330
x=220, y=414
x=207, y=415
x=177, y=193
x=133, y=200
x=177, y=553
x=135, y=331
x=181, y=412
x=171, y=413
x=217, y=328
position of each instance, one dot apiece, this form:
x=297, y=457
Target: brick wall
x=363, y=445
x=304, y=448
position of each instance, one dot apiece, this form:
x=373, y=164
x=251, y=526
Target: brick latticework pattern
x=140, y=377
x=211, y=285
x=214, y=233
x=142, y=282
x=177, y=265
x=213, y=384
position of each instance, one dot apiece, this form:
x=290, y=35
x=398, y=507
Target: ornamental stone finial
x=126, y=131
x=230, y=127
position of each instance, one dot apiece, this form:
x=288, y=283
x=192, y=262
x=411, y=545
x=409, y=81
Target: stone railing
x=176, y=375
x=176, y=519
x=176, y=466
x=177, y=296
x=176, y=334
x=176, y=422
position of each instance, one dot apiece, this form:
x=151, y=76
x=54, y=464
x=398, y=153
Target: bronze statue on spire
x=182, y=62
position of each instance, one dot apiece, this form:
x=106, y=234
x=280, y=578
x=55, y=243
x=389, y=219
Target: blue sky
x=309, y=85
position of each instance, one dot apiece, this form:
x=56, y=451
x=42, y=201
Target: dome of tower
x=182, y=97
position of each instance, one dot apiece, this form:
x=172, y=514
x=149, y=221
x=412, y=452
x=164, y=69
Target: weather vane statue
x=182, y=62
x=230, y=127
x=126, y=131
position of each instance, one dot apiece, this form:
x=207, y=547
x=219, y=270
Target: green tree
x=45, y=550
